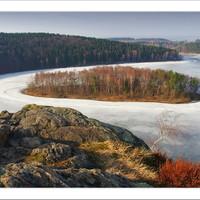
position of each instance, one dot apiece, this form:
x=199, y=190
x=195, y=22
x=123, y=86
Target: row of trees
x=30, y=51
x=115, y=81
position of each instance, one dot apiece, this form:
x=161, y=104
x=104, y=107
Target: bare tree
x=169, y=127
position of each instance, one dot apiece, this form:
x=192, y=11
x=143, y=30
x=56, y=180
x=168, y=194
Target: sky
x=169, y=25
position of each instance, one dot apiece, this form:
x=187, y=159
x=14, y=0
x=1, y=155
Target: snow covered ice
x=138, y=117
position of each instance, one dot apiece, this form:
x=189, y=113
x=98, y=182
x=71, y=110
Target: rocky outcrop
x=38, y=175
x=64, y=124
x=62, y=155
x=39, y=147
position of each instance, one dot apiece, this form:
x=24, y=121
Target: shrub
x=180, y=173
x=155, y=160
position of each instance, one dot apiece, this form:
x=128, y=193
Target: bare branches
x=168, y=123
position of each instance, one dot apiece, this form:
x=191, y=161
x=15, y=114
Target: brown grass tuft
x=118, y=158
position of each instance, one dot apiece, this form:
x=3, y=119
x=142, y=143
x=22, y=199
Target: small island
x=116, y=84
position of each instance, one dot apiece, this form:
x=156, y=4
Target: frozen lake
x=138, y=117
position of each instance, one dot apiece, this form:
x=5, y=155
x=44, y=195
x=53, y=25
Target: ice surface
x=138, y=117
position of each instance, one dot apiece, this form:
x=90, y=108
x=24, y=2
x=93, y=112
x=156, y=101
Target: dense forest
x=190, y=47
x=116, y=83
x=31, y=51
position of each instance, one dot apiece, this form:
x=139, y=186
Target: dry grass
x=118, y=158
x=64, y=163
x=34, y=158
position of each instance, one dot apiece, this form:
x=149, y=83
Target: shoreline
x=155, y=99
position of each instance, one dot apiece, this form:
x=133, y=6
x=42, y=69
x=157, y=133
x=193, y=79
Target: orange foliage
x=180, y=173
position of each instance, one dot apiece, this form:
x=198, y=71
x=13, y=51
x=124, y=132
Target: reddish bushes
x=180, y=173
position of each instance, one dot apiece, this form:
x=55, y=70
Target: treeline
x=125, y=83
x=191, y=47
x=31, y=51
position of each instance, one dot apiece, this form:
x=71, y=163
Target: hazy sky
x=170, y=25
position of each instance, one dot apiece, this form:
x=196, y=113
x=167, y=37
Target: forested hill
x=30, y=51
x=190, y=47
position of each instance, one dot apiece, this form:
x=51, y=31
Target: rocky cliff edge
x=43, y=146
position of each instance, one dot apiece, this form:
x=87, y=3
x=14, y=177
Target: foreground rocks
x=4, y=134
x=37, y=175
x=39, y=147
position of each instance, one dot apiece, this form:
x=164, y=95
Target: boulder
x=29, y=175
x=5, y=115
x=65, y=124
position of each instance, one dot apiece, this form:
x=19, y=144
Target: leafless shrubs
x=169, y=127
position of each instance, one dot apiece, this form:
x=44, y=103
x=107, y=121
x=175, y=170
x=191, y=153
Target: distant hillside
x=31, y=51
x=190, y=47
x=121, y=38
x=159, y=42
x=153, y=39
x=144, y=39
